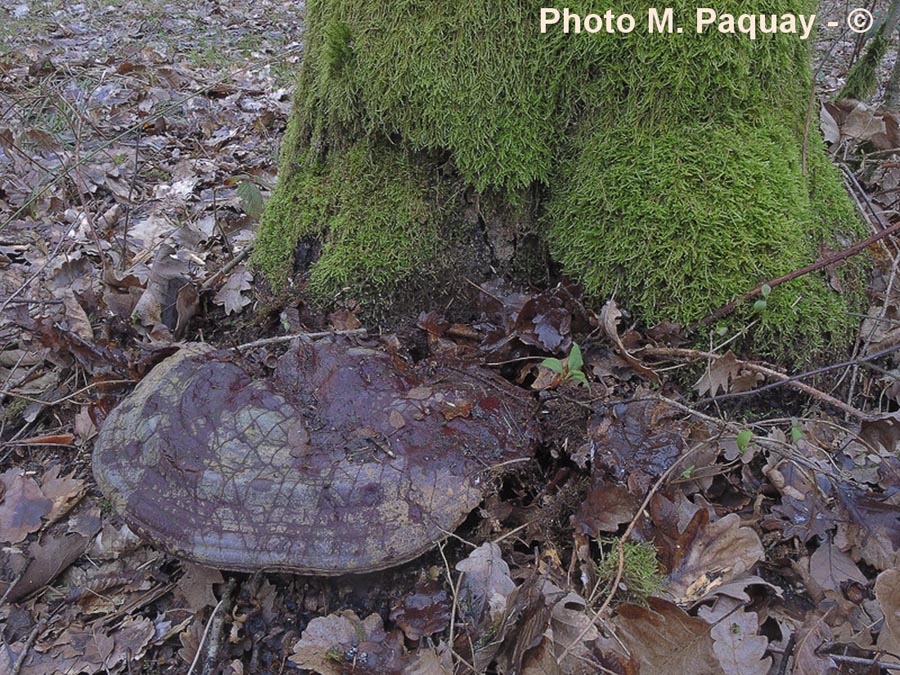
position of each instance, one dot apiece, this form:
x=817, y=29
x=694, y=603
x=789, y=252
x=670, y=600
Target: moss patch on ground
x=669, y=166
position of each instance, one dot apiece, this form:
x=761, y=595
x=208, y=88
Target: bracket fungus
x=346, y=460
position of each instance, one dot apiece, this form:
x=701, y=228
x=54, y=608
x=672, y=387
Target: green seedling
x=765, y=291
x=570, y=368
x=796, y=431
x=743, y=440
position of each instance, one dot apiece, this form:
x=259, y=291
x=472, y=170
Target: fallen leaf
x=719, y=375
x=609, y=318
x=829, y=566
x=23, y=508
x=721, y=551
x=328, y=641
x=868, y=527
x=664, y=639
x=485, y=586
x=63, y=492
x=424, y=611
x=168, y=276
x=740, y=650
x=344, y=319
x=809, y=637
x=232, y=294
x=606, y=507
x=887, y=593
x=829, y=126
x=196, y=586
x=570, y=632
x=76, y=318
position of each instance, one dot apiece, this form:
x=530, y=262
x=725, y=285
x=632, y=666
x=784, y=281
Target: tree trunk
x=432, y=140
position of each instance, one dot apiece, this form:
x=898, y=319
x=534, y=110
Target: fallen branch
x=840, y=256
x=309, y=336
x=782, y=379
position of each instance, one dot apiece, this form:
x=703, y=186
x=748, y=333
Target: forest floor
x=672, y=501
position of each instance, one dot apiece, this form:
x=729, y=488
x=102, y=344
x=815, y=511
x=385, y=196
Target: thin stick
x=29, y=643
x=31, y=399
x=768, y=372
x=864, y=662
x=311, y=336
x=226, y=596
x=621, y=550
x=134, y=175
x=234, y=262
x=12, y=584
x=840, y=256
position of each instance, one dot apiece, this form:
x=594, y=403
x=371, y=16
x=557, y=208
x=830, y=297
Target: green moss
x=681, y=221
x=861, y=79
x=641, y=574
x=371, y=206
x=668, y=165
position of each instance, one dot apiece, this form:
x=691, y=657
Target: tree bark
x=432, y=140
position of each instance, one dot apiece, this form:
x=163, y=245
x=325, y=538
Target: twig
x=840, y=658
x=213, y=620
x=40, y=270
x=791, y=381
x=78, y=182
x=487, y=293
x=454, y=589
x=29, y=643
x=29, y=301
x=134, y=175
x=310, y=336
x=621, y=550
x=65, y=398
x=849, y=252
x=234, y=262
x=12, y=584
x=134, y=127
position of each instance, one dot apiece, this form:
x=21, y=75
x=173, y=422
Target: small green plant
x=743, y=440
x=765, y=291
x=570, y=368
x=641, y=574
x=106, y=507
x=796, y=431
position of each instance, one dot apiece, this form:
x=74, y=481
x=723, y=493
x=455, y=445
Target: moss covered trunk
x=430, y=137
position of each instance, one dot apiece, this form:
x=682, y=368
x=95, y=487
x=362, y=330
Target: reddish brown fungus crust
x=347, y=460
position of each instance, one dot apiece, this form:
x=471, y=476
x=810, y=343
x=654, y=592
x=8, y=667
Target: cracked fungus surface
x=347, y=459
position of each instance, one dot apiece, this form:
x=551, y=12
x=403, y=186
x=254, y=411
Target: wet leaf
x=887, y=593
x=606, y=507
x=424, y=611
x=721, y=551
x=664, y=639
x=485, y=586
x=23, y=508
x=330, y=642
